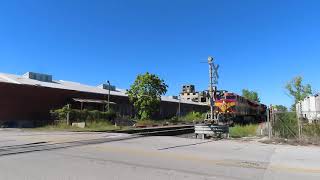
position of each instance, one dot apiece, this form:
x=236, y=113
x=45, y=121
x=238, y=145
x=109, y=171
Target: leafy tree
x=280, y=108
x=145, y=94
x=251, y=95
x=297, y=90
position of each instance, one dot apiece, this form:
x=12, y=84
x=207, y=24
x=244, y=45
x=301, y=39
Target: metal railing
x=211, y=130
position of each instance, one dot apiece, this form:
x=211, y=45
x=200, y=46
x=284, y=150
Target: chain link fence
x=290, y=126
x=284, y=125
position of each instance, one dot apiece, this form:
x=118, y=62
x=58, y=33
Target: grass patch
x=311, y=130
x=91, y=126
x=188, y=118
x=243, y=131
x=55, y=127
x=100, y=126
x=311, y=133
x=147, y=122
x=193, y=116
x=104, y=125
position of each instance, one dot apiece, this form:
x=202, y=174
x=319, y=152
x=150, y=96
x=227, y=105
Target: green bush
x=243, y=131
x=174, y=119
x=60, y=114
x=193, y=116
x=82, y=115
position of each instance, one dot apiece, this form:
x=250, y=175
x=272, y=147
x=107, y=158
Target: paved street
x=153, y=158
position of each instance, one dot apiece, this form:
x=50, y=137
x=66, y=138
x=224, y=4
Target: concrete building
x=309, y=108
x=189, y=93
x=27, y=100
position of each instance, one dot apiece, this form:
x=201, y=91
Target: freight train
x=233, y=108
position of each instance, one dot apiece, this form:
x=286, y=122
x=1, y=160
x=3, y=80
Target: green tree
x=280, y=108
x=297, y=90
x=251, y=95
x=145, y=94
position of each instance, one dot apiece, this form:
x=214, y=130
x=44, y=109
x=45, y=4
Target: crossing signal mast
x=213, y=82
x=214, y=127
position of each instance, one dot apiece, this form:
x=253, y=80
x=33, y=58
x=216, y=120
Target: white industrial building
x=309, y=108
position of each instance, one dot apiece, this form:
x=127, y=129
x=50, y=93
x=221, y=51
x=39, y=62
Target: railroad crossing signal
x=214, y=76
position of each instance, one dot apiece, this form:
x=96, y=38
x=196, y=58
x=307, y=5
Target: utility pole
x=68, y=114
x=179, y=107
x=269, y=112
x=210, y=62
x=109, y=95
x=301, y=115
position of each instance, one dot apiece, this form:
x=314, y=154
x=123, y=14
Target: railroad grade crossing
x=139, y=156
x=134, y=133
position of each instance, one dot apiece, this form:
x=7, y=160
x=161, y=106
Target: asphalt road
x=142, y=158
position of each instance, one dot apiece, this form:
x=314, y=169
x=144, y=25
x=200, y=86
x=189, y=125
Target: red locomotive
x=233, y=108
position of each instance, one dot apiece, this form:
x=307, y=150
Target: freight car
x=233, y=108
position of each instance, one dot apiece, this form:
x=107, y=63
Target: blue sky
x=259, y=44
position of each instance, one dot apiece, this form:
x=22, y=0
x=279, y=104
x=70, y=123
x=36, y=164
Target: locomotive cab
x=234, y=108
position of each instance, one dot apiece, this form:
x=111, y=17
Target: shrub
x=174, y=119
x=311, y=130
x=193, y=116
x=82, y=115
x=60, y=114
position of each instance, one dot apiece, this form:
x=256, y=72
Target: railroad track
x=160, y=131
x=47, y=146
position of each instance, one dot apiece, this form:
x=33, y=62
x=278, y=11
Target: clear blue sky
x=259, y=44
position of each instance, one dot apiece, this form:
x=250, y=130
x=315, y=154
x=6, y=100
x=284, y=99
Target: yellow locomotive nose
x=224, y=106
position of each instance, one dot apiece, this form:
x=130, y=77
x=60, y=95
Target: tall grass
x=147, y=122
x=190, y=117
x=243, y=131
x=100, y=125
x=193, y=116
x=61, y=125
x=311, y=130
